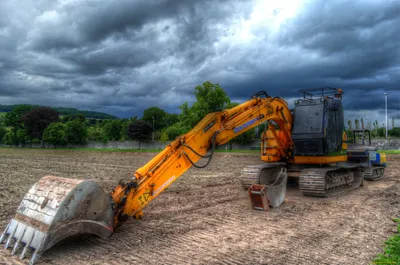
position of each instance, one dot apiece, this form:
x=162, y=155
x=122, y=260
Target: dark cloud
x=124, y=56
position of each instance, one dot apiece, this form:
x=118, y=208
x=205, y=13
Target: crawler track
x=375, y=173
x=328, y=181
x=260, y=174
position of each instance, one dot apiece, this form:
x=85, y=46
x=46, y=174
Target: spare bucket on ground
x=56, y=208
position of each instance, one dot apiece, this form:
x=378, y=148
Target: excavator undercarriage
x=375, y=173
x=313, y=181
x=329, y=181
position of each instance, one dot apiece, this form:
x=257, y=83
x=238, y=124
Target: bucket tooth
x=34, y=258
x=3, y=236
x=56, y=208
x=11, y=237
x=23, y=253
x=16, y=247
x=8, y=242
x=19, y=234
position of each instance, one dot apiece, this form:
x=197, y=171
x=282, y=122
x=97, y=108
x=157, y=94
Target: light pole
x=153, y=129
x=386, y=119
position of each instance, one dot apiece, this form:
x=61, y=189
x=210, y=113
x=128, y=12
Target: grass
x=127, y=150
x=88, y=149
x=391, y=252
x=389, y=151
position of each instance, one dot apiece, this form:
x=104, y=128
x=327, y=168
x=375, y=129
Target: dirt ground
x=205, y=216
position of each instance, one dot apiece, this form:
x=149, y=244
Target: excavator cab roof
x=323, y=92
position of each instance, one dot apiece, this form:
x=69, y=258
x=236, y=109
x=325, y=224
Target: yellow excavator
x=307, y=143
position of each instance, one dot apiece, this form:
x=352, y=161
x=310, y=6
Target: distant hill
x=67, y=111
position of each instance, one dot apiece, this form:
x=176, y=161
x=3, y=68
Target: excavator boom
x=214, y=129
x=56, y=208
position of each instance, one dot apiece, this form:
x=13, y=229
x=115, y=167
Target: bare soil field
x=205, y=216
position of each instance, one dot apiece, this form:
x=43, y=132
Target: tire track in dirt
x=205, y=216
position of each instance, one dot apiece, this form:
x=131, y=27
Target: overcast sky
x=122, y=57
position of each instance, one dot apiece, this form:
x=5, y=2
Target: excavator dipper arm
x=214, y=129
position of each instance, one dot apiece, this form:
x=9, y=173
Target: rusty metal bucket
x=258, y=197
x=56, y=208
x=276, y=191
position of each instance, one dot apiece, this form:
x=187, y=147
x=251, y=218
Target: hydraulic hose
x=209, y=156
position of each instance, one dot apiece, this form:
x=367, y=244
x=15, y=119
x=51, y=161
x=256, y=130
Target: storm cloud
x=122, y=57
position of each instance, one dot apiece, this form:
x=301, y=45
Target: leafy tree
x=157, y=135
x=160, y=117
x=95, y=133
x=3, y=132
x=91, y=121
x=112, y=129
x=124, y=129
x=381, y=132
x=75, y=132
x=10, y=138
x=188, y=118
x=21, y=136
x=395, y=132
x=14, y=117
x=72, y=117
x=14, y=120
x=37, y=120
x=54, y=134
x=174, y=131
x=171, y=119
x=164, y=137
x=210, y=98
x=140, y=131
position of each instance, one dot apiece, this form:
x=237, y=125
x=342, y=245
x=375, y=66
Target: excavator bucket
x=56, y=208
x=264, y=196
x=276, y=191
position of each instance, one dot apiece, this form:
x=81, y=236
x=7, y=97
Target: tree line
x=28, y=124
x=65, y=111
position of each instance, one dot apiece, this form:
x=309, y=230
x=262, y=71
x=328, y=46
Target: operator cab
x=318, y=122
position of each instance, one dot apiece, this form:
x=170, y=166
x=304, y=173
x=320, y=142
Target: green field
x=132, y=150
x=389, y=151
x=159, y=150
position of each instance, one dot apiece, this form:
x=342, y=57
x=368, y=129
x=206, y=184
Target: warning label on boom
x=245, y=125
